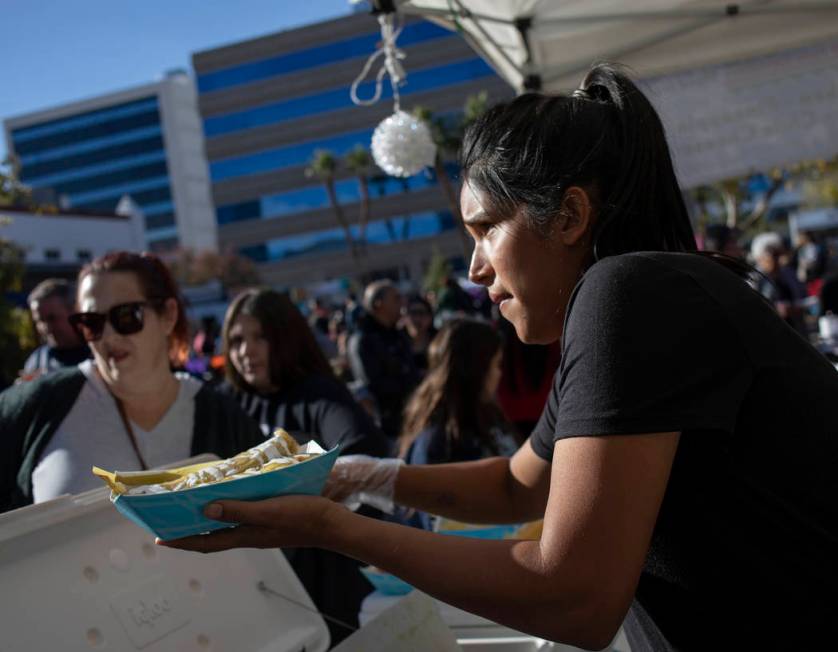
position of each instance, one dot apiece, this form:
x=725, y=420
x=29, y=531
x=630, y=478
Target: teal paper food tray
x=180, y=513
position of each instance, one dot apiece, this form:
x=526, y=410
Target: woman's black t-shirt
x=745, y=548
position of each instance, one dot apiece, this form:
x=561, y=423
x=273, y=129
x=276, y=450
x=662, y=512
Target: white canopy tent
x=740, y=87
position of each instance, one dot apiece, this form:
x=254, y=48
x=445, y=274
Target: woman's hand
x=363, y=479
x=283, y=522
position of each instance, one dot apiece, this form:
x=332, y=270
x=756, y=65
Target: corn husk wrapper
x=279, y=451
x=161, y=502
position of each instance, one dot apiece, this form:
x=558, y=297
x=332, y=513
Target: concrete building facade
x=145, y=142
x=58, y=244
x=269, y=104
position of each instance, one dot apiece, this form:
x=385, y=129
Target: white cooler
x=77, y=576
x=475, y=633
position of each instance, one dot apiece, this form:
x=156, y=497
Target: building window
x=164, y=245
x=52, y=255
x=381, y=232
x=68, y=162
x=313, y=198
x=424, y=79
x=111, y=178
x=81, y=139
x=161, y=221
x=84, y=255
x=320, y=55
x=85, y=119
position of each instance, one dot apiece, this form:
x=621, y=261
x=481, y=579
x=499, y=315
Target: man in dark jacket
x=380, y=355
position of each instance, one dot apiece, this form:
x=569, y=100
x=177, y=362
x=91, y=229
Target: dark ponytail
x=643, y=208
x=605, y=137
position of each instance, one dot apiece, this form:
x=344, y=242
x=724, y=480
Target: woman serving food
x=684, y=464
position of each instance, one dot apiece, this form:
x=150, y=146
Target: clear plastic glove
x=357, y=479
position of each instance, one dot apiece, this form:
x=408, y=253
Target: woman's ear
x=170, y=315
x=577, y=214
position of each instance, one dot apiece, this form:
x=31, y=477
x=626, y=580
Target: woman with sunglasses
x=685, y=462
x=124, y=409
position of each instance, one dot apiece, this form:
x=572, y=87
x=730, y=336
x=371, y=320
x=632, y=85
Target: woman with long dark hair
x=277, y=371
x=124, y=409
x=281, y=377
x=452, y=416
x=685, y=462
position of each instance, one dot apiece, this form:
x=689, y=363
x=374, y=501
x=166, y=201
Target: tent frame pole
x=724, y=11
x=462, y=12
x=459, y=14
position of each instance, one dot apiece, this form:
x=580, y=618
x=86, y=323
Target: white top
x=92, y=434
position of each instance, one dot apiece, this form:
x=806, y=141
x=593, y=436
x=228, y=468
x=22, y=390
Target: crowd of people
x=683, y=463
x=799, y=278
x=618, y=368
x=123, y=381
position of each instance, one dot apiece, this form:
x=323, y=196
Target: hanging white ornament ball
x=402, y=145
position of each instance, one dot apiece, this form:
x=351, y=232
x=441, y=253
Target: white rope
x=392, y=55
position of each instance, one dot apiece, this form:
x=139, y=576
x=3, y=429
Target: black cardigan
x=30, y=413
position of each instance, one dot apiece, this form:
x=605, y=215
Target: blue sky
x=57, y=51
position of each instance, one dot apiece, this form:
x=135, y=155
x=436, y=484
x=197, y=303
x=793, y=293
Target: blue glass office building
x=145, y=142
x=269, y=104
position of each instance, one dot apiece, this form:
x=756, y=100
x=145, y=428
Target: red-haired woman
x=124, y=409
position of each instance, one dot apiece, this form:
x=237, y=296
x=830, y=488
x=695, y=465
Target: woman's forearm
x=484, y=491
x=505, y=581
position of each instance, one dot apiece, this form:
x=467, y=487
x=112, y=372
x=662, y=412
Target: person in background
x=318, y=317
x=339, y=337
x=380, y=354
x=51, y=303
x=203, y=361
x=281, y=378
x=124, y=409
x=418, y=323
x=206, y=339
x=318, y=320
x=277, y=371
x=453, y=416
x=353, y=312
x=452, y=301
x=724, y=239
x=777, y=281
x=829, y=295
x=810, y=261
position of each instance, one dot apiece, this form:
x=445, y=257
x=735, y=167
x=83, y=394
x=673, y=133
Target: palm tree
x=359, y=162
x=323, y=166
x=379, y=183
x=12, y=191
x=475, y=106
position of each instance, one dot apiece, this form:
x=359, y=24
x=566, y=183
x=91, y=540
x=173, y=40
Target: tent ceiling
x=558, y=40
x=739, y=87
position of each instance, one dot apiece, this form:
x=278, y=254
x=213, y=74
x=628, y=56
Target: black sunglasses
x=126, y=319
